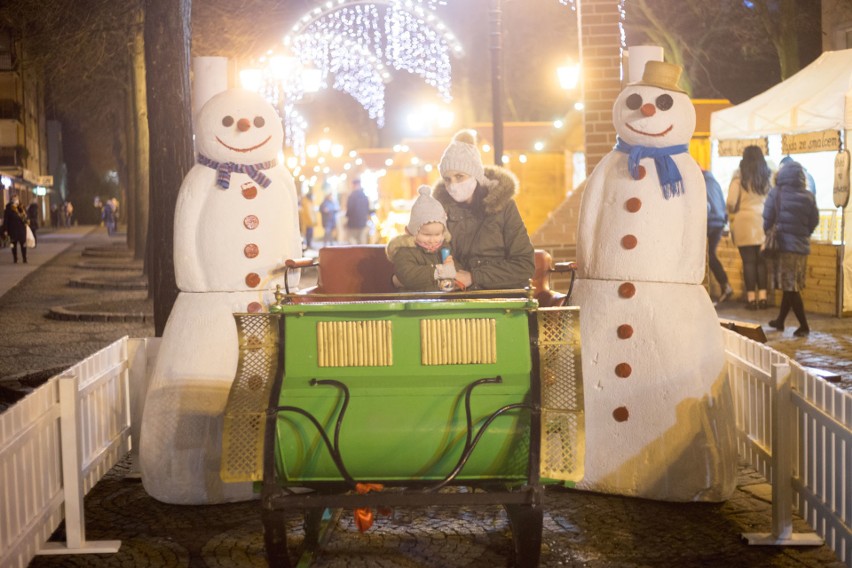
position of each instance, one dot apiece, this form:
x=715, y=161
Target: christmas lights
x=358, y=41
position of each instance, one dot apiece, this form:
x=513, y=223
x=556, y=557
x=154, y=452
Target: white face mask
x=462, y=191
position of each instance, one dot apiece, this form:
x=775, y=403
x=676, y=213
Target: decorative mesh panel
x=458, y=341
x=245, y=412
x=563, y=424
x=355, y=344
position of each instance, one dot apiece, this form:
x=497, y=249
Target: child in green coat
x=416, y=255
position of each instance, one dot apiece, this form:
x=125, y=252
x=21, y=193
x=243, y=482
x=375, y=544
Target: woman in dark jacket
x=491, y=246
x=15, y=224
x=793, y=208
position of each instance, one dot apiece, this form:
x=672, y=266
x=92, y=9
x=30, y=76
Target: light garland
x=357, y=40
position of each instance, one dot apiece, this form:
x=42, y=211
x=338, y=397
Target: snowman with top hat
x=658, y=410
x=236, y=222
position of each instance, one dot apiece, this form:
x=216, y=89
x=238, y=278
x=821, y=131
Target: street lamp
x=569, y=76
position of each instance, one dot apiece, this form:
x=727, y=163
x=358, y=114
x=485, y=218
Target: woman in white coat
x=746, y=195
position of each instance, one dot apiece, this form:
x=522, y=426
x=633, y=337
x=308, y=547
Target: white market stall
x=812, y=112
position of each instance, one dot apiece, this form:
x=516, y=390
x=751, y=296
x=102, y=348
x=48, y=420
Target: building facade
x=23, y=127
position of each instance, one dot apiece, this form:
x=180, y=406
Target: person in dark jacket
x=15, y=225
x=491, y=246
x=357, y=215
x=793, y=208
x=416, y=255
x=717, y=218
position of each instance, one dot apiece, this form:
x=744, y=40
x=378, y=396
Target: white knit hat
x=462, y=155
x=426, y=209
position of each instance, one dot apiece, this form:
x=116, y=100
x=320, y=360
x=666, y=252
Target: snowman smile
x=219, y=140
x=663, y=133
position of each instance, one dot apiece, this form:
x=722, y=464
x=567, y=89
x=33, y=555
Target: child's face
x=430, y=236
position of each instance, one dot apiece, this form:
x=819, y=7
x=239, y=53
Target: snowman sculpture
x=236, y=221
x=659, y=418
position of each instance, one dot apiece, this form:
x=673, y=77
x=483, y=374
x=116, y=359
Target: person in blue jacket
x=717, y=218
x=792, y=206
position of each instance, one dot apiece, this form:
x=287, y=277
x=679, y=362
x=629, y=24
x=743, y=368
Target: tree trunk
x=167, y=43
x=788, y=54
x=140, y=143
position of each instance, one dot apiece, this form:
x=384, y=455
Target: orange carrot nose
x=243, y=124
x=647, y=109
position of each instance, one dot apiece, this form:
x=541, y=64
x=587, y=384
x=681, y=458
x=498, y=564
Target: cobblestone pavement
x=580, y=529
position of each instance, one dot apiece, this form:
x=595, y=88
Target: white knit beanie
x=426, y=209
x=462, y=155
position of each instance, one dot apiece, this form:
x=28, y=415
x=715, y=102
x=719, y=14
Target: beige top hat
x=663, y=75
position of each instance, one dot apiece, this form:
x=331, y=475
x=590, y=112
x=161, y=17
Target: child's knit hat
x=462, y=155
x=426, y=209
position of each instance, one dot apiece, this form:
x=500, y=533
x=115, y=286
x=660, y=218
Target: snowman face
x=649, y=116
x=239, y=126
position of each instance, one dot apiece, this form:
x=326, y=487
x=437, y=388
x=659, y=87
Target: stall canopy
x=814, y=99
x=818, y=98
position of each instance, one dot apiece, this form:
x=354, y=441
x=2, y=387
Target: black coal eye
x=664, y=102
x=634, y=101
x=258, y=121
x=228, y=121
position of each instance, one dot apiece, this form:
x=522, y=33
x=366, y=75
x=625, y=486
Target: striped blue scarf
x=225, y=169
x=670, y=178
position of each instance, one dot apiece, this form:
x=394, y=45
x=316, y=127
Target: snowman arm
x=190, y=203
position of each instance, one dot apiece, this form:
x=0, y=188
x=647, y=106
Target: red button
x=251, y=250
x=629, y=242
x=251, y=222
x=255, y=307
x=249, y=190
x=623, y=370
x=633, y=204
x=627, y=290
x=625, y=331
x=641, y=172
x=252, y=279
x=621, y=414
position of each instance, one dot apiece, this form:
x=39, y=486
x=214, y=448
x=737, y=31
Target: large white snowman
x=236, y=221
x=659, y=414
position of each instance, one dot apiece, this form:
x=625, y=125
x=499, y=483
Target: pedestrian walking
x=307, y=218
x=357, y=214
x=108, y=216
x=328, y=217
x=746, y=195
x=791, y=208
x=15, y=225
x=717, y=218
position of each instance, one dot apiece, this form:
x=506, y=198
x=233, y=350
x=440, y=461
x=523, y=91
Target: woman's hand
x=464, y=277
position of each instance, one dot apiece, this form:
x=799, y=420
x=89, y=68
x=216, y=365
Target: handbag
x=771, y=245
x=31, y=242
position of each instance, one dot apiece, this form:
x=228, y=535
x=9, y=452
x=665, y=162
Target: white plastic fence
x=56, y=443
x=796, y=429
x=793, y=427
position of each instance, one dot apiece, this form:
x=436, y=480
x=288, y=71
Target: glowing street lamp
x=569, y=76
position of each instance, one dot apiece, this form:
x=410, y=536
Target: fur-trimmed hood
x=503, y=186
x=406, y=241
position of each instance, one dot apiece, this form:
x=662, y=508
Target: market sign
x=825, y=141
x=841, y=179
x=46, y=181
x=736, y=147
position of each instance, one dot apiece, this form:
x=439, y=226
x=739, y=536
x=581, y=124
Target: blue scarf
x=670, y=178
x=225, y=169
